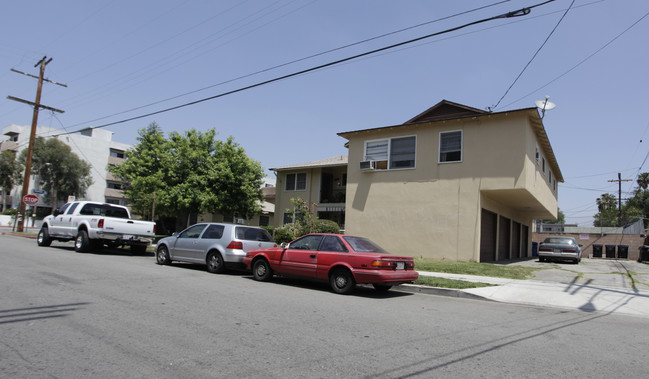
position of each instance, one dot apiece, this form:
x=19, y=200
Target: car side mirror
x=56, y=212
x=174, y=234
x=284, y=245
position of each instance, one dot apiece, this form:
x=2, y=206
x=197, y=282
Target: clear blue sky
x=119, y=55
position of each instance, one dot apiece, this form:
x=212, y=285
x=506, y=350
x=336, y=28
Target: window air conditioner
x=368, y=165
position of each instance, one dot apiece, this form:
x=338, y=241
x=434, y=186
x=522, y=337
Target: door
x=57, y=221
x=301, y=257
x=488, y=223
x=187, y=245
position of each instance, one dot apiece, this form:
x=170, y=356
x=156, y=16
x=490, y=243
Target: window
x=117, y=153
x=264, y=220
x=252, y=234
x=103, y=210
x=72, y=208
x=392, y=153
x=296, y=182
x=288, y=218
x=550, y=176
x=113, y=185
x=402, y=152
x=332, y=243
x=543, y=164
x=450, y=146
x=193, y=231
x=214, y=232
x=310, y=242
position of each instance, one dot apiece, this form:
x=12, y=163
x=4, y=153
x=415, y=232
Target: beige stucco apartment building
x=454, y=183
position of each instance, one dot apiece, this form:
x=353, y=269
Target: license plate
x=127, y=237
x=401, y=265
x=557, y=251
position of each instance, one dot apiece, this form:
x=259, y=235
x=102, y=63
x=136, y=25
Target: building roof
x=340, y=160
x=447, y=110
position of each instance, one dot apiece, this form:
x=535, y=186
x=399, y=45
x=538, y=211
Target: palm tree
x=606, y=202
x=643, y=180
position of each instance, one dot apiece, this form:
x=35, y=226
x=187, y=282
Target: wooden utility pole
x=32, y=137
x=619, y=180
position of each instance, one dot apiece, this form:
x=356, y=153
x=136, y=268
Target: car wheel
x=162, y=256
x=261, y=270
x=215, y=263
x=342, y=281
x=382, y=287
x=82, y=243
x=43, y=238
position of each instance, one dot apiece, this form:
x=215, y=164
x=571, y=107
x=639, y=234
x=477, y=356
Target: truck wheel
x=138, y=249
x=82, y=243
x=43, y=238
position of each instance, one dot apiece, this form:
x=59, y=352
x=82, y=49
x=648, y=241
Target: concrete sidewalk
x=608, y=286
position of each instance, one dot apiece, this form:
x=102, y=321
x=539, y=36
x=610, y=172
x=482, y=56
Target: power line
x=296, y=61
x=516, y=13
x=535, y=54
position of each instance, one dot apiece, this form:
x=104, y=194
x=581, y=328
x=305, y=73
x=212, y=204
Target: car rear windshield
x=252, y=234
x=106, y=210
x=363, y=245
x=559, y=241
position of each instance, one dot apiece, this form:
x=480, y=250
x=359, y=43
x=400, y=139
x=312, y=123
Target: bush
x=325, y=226
x=286, y=233
x=10, y=211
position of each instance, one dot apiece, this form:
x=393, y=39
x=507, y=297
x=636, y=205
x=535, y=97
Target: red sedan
x=341, y=260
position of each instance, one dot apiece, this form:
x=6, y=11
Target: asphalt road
x=70, y=315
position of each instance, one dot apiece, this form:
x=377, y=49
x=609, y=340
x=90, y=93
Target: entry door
x=488, y=224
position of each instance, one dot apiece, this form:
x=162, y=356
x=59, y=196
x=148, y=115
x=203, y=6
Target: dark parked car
x=216, y=245
x=560, y=248
x=341, y=260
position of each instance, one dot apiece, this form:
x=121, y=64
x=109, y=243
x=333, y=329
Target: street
x=65, y=314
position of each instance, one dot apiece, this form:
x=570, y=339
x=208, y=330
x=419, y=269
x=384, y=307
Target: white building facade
x=94, y=146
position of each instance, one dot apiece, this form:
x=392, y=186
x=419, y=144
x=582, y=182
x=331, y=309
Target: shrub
x=325, y=226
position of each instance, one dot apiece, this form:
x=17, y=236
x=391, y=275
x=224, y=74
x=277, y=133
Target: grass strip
x=475, y=268
x=448, y=283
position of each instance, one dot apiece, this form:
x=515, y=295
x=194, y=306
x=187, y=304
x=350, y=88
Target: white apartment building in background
x=94, y=146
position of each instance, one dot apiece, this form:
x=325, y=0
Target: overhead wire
x=295, y=61
x=535, y=54
x=517, y=13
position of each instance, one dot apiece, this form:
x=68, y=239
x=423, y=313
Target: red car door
x=301, y=257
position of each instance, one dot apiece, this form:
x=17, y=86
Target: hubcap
x=261, y=270
x=78, y=243
x=341, y=281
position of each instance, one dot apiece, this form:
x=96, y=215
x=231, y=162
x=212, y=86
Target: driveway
x=592, y=272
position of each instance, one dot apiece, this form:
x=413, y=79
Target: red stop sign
x=30, y=200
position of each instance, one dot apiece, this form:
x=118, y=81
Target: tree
x=643, y=180
x=8, y=168
x=560, y=220
x=606, y=202
x=60, y=171
x=304, y=222
x=191, y=173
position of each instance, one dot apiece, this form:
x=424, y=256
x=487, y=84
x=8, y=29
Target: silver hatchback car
x=216, y=245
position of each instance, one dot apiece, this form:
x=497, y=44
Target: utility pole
x=619, y=180
x=32, y=137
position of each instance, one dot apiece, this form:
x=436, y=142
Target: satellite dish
x=544, y=105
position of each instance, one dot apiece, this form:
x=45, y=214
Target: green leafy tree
x=561, y=219
x=8, y=168
x=60, y=171
x=643, y=180
x=191, y=173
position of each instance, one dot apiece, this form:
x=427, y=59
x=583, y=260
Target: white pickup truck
x=93, y=224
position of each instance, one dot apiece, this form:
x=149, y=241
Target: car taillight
x=154, y=228
x=570, y=251
x=235, y=245
x=100, y=224
x=545, y=249
x=382, y=264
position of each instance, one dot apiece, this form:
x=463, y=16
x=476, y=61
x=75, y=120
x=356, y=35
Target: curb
x=449, y=292
x=18, y=235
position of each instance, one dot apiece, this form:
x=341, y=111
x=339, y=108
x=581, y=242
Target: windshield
x=363, y=245
x=559, y=241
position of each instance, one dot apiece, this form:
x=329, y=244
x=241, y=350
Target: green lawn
x=474, y=268
x=447, y=283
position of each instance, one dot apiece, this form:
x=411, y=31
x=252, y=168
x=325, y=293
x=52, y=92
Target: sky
x=124, y=59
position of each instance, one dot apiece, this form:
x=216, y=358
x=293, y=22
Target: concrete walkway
x=594, y=285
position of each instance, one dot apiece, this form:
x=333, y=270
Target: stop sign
x=30, y=200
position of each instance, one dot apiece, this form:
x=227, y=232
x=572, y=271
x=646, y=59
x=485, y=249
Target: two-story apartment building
x=454, y=183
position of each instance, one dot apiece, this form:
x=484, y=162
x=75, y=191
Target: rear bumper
x=551, y=254
x=125, y=239
x=234, y=256
x=385, y=276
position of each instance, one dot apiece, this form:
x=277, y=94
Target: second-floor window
x=450, y=146
x=296, y=182
x=392, y=153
